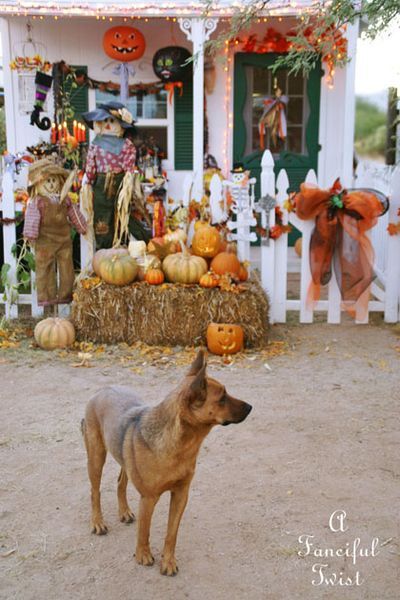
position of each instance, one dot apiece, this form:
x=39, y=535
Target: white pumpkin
x=137, y=248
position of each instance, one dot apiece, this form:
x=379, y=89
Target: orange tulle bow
x=342, y=218
x=170, y=87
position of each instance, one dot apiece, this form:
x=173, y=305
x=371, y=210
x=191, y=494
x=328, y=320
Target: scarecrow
x=50, y=215
x=118, y=201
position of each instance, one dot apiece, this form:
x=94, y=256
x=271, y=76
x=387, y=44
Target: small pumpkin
x=183, y=267
x=54, y=332
x=100, y=254
x=176, y=236
x=243, y=273
x=149, y=261
x=154, y=276
x=225, y=262
x=209, y=280
x=137, y=248
x=223, y=338
x=118, y=269
x=206, y=241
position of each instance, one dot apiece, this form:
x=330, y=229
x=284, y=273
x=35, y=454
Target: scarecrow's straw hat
x=41, y=169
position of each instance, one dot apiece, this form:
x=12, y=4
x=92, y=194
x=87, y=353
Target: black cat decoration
x=168, y=64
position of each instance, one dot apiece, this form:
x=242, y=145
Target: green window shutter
x=184, y=127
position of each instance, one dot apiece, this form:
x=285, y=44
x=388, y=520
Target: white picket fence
x=275, y=258
x=384, y=291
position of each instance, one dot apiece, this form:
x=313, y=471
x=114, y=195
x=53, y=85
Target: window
x=260, y=84
x=151, y=113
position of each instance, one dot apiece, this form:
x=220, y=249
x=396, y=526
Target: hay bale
x=170, y=314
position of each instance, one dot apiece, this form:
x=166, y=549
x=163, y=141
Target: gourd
x=209, y=280
x=54, y=332
x=149, y=261
x=176, y=236
x=223, y=338
x=154, y=276
x=206, y=241
x=298, y=246
x=225, y=262
x=100, y=254
x=182, y=267
x=118, y=269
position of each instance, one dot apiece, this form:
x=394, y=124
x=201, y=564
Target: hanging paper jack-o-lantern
x=124, y=44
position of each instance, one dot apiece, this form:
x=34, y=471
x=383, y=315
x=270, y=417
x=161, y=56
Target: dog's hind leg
x=96, y=453
x=125, y=513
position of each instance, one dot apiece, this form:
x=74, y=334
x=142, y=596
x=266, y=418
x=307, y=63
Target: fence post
x=9, y=236
x=392, y=286
x=268, y=252
x=281, y=253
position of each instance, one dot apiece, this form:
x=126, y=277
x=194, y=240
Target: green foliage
x=326, y=19
x=368, y=119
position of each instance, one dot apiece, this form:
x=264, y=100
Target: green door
x=253, y=82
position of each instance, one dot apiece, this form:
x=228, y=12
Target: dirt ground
x=323, y=436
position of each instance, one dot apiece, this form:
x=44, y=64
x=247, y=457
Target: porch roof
x=153, y=8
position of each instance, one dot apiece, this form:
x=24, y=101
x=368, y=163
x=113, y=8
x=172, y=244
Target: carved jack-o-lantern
x=223, y=338
x=206, y=241
x=124, y=43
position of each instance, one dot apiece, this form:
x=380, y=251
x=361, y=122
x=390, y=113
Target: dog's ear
x=196, y=390
x=199, y=363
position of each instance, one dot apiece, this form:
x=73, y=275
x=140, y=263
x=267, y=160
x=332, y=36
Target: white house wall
x=79, y=41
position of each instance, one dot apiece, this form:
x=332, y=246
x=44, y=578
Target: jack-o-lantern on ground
x=124, y=44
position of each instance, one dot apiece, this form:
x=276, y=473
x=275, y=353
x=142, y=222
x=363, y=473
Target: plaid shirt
x=34, y=214
x=101, y=161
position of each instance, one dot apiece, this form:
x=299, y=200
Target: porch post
x=198, y=31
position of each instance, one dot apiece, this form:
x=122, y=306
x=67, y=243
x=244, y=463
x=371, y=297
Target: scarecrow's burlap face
x=109, y=126
x=51, y=185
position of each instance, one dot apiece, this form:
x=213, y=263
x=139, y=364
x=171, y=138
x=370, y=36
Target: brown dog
x=157, y=449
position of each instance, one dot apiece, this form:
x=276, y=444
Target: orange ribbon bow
x=342, y=218
x=170, y=87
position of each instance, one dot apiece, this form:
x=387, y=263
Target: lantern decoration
x=169, y=66
x=124, y=44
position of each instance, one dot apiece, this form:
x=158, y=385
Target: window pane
x=152, y=136
x=294, y=141
x=296, y=84
x=295, y=111
x=150, y=106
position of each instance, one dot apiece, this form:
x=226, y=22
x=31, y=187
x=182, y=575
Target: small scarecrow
x=49, y=217
x=118, y=200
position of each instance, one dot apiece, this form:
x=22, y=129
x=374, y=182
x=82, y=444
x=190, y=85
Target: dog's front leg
x=179, y=497
x=146, y=507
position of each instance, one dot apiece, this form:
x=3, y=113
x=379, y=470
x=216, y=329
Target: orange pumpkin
x=124, y=43
x=154, y=276
x=206, y=241
x=100, y=254
x=243, y=273
x=223, y=338
x=54, y=333
x=209, y=280
x=118, y=269
x=149, y=261
x=225, y=262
